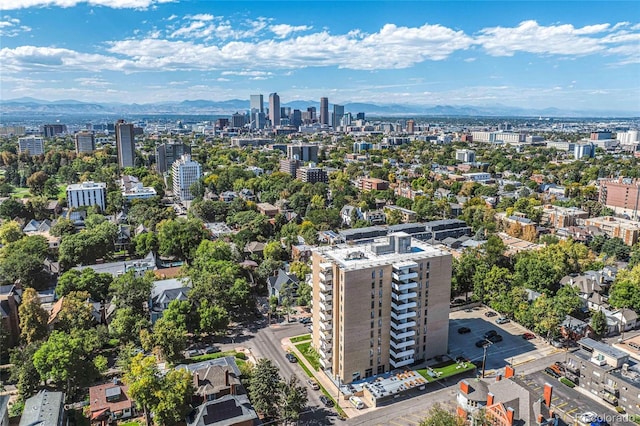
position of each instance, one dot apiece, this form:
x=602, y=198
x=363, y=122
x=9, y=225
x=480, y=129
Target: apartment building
x=312, y=174
x=465, y=155
x=407, y=215
x=87, y=194
x=621, y=194
x=34, y=145
x=372, y=184
x=561, y=217
x=379, y=306
x=85, y=142
x=607, y=373
x=615, y=227
x=185, y=172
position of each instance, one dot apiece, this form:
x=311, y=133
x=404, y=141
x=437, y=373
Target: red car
x=528, y=336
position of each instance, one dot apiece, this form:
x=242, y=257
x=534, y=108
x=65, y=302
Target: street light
x=484, y=356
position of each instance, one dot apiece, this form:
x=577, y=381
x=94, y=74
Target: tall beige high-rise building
x=379, y=306
x=274, y=109
x=125, y=144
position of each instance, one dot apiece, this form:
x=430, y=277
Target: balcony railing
x=404, y=296
x=401, y=344
x=402, y=316
x=326, y=296
x=325, y=286
x=402, y=354
x=325, y=306
x=404, y=306
x=400, y=287
x=403, y=276
x=403, y=335
x=325, y=317
x=326, y=276
x=402, y=325
x=402, y=363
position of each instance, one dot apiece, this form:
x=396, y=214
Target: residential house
x=45, y=408
x=347, y=214
x=247, y=194
x=110, y=402
x=228, y=196
x=230, y=410
x=254, y=248
x=282, y=279
x=587, y=287
x=123, y=237
x=301, y=252
x=267, y=209
x=138, y=266
x=407, y=215
x=575, y=329
x=375, y=217
x=10, y=298
x=164, y=292
x=627, y=319
x=215, y=379
x=42, y=228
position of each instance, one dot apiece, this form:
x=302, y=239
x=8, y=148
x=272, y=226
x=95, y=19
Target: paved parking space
x=512, y=350
x=414, y=418
x=567, y=402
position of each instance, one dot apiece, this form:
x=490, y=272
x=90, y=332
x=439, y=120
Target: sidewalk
x=324, y=381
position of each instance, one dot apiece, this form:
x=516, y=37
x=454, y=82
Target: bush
x=567, y=382
x=241, y=355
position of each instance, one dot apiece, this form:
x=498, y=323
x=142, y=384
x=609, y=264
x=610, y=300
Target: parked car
x=193, y=352
x=458, y=301
x=489, y=334
x=495, y=338
x=490, y=314
x=212, y=350
x=557, y=343
x=326, y=401
x=502, y=320
x=291, y=357
x=528, y=336
x=314, y=384
x=551, y=372
x=482, y=343
x=464, y=330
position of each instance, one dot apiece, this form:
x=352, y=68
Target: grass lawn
x=301, y=338
x=446, y=371
x=21, y=192
x=207, y=357
x=303, y=348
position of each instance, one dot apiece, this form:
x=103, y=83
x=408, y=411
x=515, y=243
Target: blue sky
x=575, y=55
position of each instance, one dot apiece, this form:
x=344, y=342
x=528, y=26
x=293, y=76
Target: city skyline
x=582, y=56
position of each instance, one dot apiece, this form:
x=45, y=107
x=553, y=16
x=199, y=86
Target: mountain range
x=207, y=107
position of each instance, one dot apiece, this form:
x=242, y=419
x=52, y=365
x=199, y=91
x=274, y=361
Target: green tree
x=438, y=416
x=10, y=232
x=167, y=337
x=299, y=269
x=36, y=182
x=144, y=243
x=180, y=238
x=62, y=227
x=144, y=381
x=213, y=319
x=95, y=283
x=273, y=250
x=599, y=323
x=23, y=372
x=127, y=324
x=625, y=291
x=33, y=318
x=615, y=247
x=132, y=291
x=22, y=260
x=173, y=397
x=265, y=382
x=66, y=360
x=292, y=400
x=76, y=312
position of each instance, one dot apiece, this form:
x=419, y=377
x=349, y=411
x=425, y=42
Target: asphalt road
x=266, y=344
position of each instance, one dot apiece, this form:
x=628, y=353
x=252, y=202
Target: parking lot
x=513, y=349
x=569, y=403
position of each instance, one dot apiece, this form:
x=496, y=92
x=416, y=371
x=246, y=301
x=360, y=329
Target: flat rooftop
x=602, y=348
x=362, y=256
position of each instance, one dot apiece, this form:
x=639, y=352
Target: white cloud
x=10, y=27
x=247, y=73
x=283, y=30
x=115, y=4
x=531, y=37
x=92, y=82
x=200, y=17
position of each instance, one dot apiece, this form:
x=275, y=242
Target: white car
x=588, y=417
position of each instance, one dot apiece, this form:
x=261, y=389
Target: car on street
x=291, y=357
x=528, y=336
x=458, y=302
x=464, y=330
x=495, y=338
x=502, y=320
x=490, y=314
x=193, y=352
x=326, y=401
x=489, y=334
x=468, y=310
x=305, y=320
x=314, y=384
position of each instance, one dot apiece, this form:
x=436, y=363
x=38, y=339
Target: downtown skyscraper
x=324, y=111
x=274, y=109
x=125, y=144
